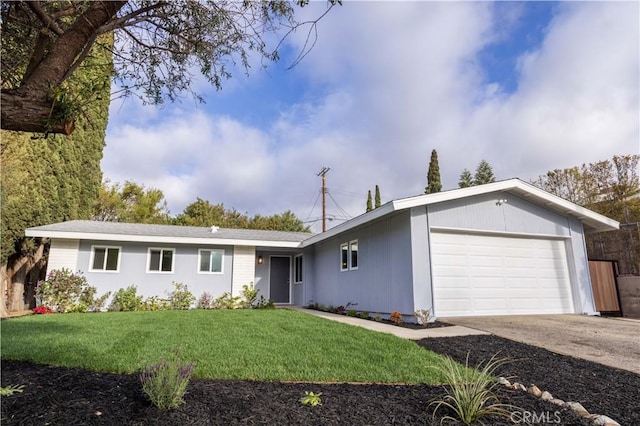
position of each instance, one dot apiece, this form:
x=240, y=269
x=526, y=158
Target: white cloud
x=388, y=82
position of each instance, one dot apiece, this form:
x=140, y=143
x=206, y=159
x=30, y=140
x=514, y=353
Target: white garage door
x=490, y=275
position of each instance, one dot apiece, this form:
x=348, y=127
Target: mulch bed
x=600, y=389
x=70, y=396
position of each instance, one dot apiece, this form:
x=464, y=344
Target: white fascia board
x=357, y=221
x=159, y=239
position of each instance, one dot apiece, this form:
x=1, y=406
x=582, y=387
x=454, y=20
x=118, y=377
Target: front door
x=279, y=279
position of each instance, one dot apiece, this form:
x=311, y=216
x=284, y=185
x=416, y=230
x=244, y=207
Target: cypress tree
x=378, y=200
x=434, y=184
x=369, y=201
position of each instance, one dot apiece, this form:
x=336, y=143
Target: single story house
x=503, y=248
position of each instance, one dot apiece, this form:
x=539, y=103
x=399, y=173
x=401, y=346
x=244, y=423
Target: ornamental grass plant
x=470, y=392
x=165, y=383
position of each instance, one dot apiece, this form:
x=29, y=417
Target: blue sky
x=528, y=86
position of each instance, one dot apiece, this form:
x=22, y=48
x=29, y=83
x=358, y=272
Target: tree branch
x=122, y=21
x=46, y=19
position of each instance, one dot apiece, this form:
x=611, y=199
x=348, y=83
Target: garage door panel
x=495, y=275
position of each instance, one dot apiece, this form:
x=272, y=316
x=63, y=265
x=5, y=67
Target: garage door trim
x=445, y=230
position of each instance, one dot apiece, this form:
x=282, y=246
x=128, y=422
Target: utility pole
x=323, y=174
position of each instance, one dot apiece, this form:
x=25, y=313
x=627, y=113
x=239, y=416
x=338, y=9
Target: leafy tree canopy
x=131, y=203
x=483, y=174
x=159, y=47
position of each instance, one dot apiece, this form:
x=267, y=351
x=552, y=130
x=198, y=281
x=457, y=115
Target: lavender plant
x=165, y=383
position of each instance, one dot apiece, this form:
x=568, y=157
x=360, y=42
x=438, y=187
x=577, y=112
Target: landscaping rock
x=534, y=390
x=504, y=381
x=546, y=396
x=578, y=408
x=602, y=420
x=557, y=401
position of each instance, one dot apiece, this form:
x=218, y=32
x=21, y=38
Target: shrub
x=39, y=310
x=470, y=393
x=264, y=303
x=423, y=316
x=226, y=301
x=377, y=317
x=250, y=295
x=64, y=291
x=205, y=301
x=166, y=383
x=340, y=310
x=126, y=299
x=364, y=315
x=396, y=318
x=180, y=297
x=154, y=303
x=352, y=313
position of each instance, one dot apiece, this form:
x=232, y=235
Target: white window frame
x=295, y=269
x=351, y=243
x=161, y=249
x=104, y=270
x=344, y=266
x=211, y=251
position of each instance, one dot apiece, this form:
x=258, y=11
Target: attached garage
x=499, y=275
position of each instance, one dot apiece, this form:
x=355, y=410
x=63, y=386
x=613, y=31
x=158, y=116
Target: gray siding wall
x=383, y=281
x=421, y=265
x=133, y=270
x=481, y=213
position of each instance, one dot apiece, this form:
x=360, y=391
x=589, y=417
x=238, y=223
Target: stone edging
x=598, y=419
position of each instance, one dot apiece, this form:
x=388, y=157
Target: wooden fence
x=605, y=287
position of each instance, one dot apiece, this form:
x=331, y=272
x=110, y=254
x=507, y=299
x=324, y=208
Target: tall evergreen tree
x=466, y=180
x=378, y=199
x=484, y=174
x=49, y=179
x=369, y=201
x=434, y=184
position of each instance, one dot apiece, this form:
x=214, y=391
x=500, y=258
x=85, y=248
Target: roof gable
x=592, y=221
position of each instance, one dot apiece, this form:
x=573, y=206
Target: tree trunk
x=20, y=275
x=3, y=291
x=30, y=112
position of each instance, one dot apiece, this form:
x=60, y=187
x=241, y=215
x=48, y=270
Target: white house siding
x=133, y=270
x=383, y=281
x=64, y=254
x=244, y=261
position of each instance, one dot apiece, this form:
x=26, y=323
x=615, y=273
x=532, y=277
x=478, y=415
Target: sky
x=527, y=86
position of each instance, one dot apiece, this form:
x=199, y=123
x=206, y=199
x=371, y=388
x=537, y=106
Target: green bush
x=65, y=291
x=154, y=303
x=250, y=295
x=165, y=383
x=352, y=313
x=181, y=297
x=126, y=299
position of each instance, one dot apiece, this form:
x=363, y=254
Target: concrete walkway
x=405, y=333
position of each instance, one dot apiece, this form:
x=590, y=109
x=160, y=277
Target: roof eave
x=34, y=232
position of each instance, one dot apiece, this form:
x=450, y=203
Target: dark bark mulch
x=599, y=388
x=69, y=396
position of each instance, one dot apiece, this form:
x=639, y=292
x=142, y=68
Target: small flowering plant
x=39, y=310
x=165, y=383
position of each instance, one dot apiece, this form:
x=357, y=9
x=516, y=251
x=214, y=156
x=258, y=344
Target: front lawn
x=277, y=345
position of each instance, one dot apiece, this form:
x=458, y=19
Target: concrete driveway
x=610, y=341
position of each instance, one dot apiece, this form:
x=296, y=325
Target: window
x=344, y=257
x=297, y=269
x=353, y=248
x=349, y=256
x=105, y=258
x=210, y=261
x=160, y=260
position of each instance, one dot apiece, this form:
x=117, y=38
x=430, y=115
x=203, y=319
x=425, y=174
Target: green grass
x=239, y=344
